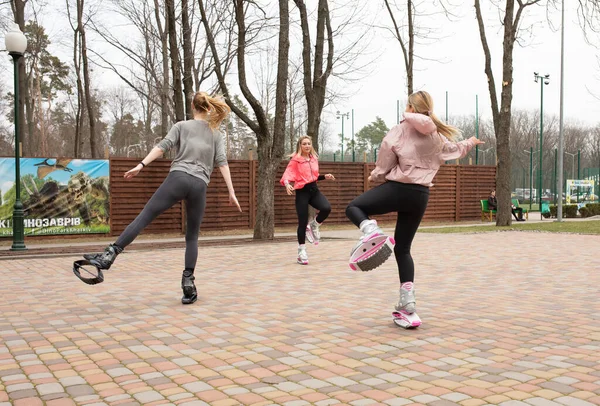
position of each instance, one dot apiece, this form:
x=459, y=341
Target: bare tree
x=164, y=86
x=175, y=63
x=188, y=59
x=501, y=112
x=270, y=143
x=316, y=71
x=78, y=141
x=86, y=78
x=408, y=44
x=82, y=70
x=408, y=33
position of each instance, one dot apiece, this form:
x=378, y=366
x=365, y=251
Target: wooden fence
x=454, y=197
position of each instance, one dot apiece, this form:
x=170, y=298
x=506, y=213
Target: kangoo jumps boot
x=105, y=259
x=190, y=295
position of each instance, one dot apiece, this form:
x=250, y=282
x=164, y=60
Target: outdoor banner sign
x=59, y=195
x=579, y=189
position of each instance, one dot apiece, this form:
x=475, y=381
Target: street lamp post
x=554, y=177
x=342, y=115
x=561, y=139
x=16, y=44
x=530, y=152
x=484, y=151
x=572, y=164
x=544, y=80
x=578, y=170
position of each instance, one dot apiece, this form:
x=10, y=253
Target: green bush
x=594, y=209
x=570, y=210
x=584, y=211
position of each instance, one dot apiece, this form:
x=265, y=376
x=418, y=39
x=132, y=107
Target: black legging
x=310, y=194
x=409, y=201
x=176, y=187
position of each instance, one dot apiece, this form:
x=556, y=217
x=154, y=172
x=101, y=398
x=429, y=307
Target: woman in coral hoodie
x=409, y=157
x=301, y=176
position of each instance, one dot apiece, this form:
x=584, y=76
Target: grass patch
x=579, y=227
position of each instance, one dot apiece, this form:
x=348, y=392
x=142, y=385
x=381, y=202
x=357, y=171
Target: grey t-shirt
x=199, y=149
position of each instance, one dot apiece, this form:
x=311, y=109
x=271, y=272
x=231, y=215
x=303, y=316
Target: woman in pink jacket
x=409, y=157
x=303, y=173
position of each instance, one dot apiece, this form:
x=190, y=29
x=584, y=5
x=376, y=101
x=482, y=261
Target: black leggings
x=409, y=201
x=310, y=194
x=176, y=187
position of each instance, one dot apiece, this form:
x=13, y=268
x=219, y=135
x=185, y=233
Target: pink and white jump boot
x=405, y=315
x=302, y=255
x=406, y=320
x=373, y=248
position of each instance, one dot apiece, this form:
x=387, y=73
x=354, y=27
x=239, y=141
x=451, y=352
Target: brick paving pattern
x=510, y=319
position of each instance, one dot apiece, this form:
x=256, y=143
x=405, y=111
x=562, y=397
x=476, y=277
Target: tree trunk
x=188, y=60
x=270, y=146
x=270, y=155
x=411, y=47
x=175, y=63
x=502, y=116
x=25, y=98
x=86, y=79
x=164, y=94
x=265, y=197
x=43, y=136
x=78, y=141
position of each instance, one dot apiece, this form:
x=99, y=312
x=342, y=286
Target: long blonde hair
x=422, y=103
x=216, y=108
x=299, y=147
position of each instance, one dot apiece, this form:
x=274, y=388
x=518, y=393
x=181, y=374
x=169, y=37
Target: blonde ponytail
x=216, y=108
x=422, y=103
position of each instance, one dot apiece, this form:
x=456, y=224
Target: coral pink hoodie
x=413, y=151
x=301, y=171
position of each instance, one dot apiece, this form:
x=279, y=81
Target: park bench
x=486, y=213
x=515, y=203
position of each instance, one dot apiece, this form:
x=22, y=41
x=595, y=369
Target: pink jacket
x=301, y=171
x=413, y=151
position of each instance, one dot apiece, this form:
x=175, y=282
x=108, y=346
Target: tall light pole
x=572, y=164
x=561, y=140
x=16, y=44
x=484, y=151
x=530, y=152
x=342, y=115
x=544, y=80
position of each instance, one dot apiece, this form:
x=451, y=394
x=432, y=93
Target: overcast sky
x=462, y=76
x=461, y=73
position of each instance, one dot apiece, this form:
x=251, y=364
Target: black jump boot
x=105, y=259
x=190, y=295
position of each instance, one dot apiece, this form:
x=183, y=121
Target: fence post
x=457, y=195
x=252, y=193
x=110, y=197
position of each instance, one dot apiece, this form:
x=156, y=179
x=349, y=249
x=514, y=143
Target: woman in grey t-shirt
x=200, y=148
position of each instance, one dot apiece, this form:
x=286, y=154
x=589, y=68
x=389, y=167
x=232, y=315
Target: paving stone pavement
x=510, y=319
